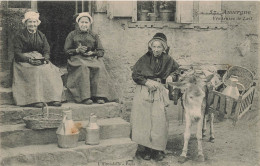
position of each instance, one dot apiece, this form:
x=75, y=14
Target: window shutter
x=208, y=10
x=184, y=11
x=120, y=8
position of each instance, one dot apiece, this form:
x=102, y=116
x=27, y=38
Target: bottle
x=92, y=136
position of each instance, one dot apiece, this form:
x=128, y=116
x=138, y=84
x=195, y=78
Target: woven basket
x=245, y=77
x=43, y=121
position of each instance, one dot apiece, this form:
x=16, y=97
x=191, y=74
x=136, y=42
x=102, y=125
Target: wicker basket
x=245, y=77
x=43, y=121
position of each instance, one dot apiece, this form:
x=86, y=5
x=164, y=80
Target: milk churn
x=92, y=137
x=67, y=132
x=231, y=89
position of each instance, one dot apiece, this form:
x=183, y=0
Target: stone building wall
x=236, y=45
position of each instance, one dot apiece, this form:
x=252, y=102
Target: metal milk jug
x=92, y=136
x=232, y=90
x=67, y=132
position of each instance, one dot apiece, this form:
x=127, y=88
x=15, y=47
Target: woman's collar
x=83, y=31
x=31, y=31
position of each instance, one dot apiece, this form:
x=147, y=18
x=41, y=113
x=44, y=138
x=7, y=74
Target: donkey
x=195, y=92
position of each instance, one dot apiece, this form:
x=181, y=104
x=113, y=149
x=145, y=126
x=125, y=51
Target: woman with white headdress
x=35, y=78
x=88, y=78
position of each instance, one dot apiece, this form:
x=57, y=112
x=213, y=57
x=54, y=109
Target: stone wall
x=236, y=45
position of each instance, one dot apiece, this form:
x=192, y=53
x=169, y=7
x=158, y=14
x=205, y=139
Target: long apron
x=88, y=77
x=32, y=84
x=148, y=117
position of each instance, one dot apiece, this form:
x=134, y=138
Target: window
x=156, y=10
x=151, y=13
x=16, y=5
x=19, y=4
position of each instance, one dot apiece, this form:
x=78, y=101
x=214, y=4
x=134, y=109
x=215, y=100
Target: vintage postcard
x=129, y=83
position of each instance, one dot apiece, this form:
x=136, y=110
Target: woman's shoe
x=55, y=103
x=147, y=154
x=101, y=101
x=158, y=155
x=38, y=105
x=87, y=101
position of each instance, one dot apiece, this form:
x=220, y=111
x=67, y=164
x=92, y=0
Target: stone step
x=11, y=114
x=18, y=135
x=6, y=96
x=6, y=79
x=46, y=155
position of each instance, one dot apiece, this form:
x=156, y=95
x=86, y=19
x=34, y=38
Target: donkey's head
x=193, y=87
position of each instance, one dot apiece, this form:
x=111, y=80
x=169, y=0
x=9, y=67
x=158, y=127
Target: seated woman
x=88, y=78
x=148, y=116
x=35, y=78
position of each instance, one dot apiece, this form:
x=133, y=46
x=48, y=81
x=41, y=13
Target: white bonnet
x=84, y=14
x=31, y=15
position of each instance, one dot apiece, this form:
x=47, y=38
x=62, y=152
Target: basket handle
x=47, y=109
x=243, y=87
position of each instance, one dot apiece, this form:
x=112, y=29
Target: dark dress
x=87, y=76
x=148, y=115
x=33, y=84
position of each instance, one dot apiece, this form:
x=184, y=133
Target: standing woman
x=35, y=78
x=148, y=116
x=88, y=78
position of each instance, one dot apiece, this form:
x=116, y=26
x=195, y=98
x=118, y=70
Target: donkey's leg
x=187, y=133
x=199, y=139
x=212, y=137
x=204, y=128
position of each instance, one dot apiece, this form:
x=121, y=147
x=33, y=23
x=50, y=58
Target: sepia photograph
x=129, y=83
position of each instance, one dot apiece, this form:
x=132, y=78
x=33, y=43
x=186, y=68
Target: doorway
x=57, y=21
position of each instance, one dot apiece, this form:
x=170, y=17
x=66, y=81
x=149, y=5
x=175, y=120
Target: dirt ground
x=234, y=145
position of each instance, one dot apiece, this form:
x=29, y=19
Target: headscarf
x=161, y=38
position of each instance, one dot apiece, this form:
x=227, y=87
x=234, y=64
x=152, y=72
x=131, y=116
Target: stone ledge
x=174, y=25
x=11, y=114
x=6, y=96
x=18, y=135
x=45, y=155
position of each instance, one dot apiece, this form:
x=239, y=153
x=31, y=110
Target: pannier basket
x=43, y=121
x=244, y=76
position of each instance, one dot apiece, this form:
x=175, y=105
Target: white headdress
x=84, y=14
x=31, y=15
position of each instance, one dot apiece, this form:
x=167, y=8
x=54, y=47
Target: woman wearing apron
x=88, y=79
x=35, y=78
x=148, y=116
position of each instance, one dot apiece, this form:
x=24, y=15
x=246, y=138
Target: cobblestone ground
x=234, y=145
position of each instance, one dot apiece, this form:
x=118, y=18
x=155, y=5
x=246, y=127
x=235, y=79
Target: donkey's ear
x=209, y=78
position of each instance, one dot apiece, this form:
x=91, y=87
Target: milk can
x=232, y=90
x=92, y=136
x=67, y=132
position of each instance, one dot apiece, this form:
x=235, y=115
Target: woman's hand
x=152, y=85
x=168, y=79
x=89, y=53
x=81, y=49
x=35, y=62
